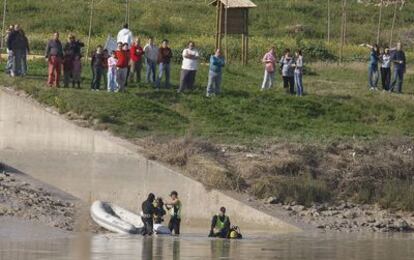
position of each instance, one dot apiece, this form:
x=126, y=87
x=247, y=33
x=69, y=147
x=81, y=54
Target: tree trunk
x=343, y=30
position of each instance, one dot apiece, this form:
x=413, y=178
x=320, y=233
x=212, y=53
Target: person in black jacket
x=97, y=64
x=148, y=211
x=159, y=211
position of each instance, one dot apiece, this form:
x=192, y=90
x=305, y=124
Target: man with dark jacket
x=220, y=225
x=18, y=43
x=148, y=211
x=74, y=46
x=54, y=57
x=399, y=61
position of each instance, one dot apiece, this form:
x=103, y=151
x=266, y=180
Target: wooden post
x=393, y=24
x=379, y=22
x=3, y=26
x=343, y=30
x=226, y=50
x=220, y=23
x=246, y=45
x=90, y=32
x=217, y=25
x=329, y=21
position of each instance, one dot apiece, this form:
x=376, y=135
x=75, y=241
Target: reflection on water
x=303, y=246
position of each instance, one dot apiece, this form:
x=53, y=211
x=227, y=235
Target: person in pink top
x=269, y=61
x=76, y=71
x=112, y=61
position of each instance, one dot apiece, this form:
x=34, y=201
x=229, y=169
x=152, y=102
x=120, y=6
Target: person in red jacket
x=136, y=52
x=122, y=66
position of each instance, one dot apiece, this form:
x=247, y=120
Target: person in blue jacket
x=217, y=63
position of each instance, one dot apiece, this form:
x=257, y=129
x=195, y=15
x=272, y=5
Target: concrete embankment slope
x=94, y=165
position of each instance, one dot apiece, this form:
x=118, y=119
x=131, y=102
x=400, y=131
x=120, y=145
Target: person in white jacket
x=125, y=35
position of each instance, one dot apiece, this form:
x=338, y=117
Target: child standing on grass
x=67, y=67
x=112, y=61
x=299, y=72
x=373, y=66
x=97, y=68
x=76, y=71
x=269, y=60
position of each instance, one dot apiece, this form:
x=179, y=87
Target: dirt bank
x=24, y=198
x=343, y=186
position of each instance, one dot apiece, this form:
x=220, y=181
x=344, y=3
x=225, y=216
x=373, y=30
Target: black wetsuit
x=148, y=211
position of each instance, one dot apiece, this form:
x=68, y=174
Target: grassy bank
x=293, y=23
x=339, y=142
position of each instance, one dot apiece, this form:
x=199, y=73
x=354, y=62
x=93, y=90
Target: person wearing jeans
x=151, y=57
x=97, y=65
x=164, y=60
x=217, y=63
x=287, y=62
x=54, y=57
x=399, y=61
x=386, y=69
x=299, y=73
x=122, y=66
x=269, y=61
x=373, y=66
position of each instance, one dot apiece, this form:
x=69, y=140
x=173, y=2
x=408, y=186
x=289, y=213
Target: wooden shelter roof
x=235, y=3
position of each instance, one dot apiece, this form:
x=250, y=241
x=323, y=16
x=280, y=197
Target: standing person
x=269, y=60
x=18, y=43
x=75, y=46
x=136, y=53
x=122, y=66
x=217, y=63
x=9, y=64
x=151, y=57
x=287, y=62
x=54, y=56
x=112, y=61
x=125, y=35
x=164, y=59
x=76, y=71
x=105, y=66
x=220, y=225
x=373, y=66
x=399, y=61
x=148, y=211
x=386, y=69
x=67, y=67
x=299, y=72
x=97, y=64
x=189, y=67
x=174, y=206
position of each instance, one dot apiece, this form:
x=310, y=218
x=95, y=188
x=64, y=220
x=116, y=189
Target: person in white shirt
x=385, y=60
x=151, y=58
x=189, y=67
x=125, y=36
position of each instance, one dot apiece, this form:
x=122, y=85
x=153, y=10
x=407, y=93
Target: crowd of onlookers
x=387, y=57
x=116, y=68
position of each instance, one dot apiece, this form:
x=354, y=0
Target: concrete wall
x=94, y=165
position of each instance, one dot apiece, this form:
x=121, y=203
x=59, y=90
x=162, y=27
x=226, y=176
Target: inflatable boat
x=115, y=218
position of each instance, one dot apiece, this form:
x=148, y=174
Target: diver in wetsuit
x=220, y=225
x=148, y=211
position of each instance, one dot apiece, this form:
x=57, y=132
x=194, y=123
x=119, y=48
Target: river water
x=23, y=241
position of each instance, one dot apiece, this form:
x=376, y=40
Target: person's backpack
x=235, y=233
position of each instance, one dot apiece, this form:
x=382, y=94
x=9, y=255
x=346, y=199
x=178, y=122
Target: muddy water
x=317, y=246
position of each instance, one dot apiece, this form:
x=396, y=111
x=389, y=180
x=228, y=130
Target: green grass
x=271, y=23
x=337, y=105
